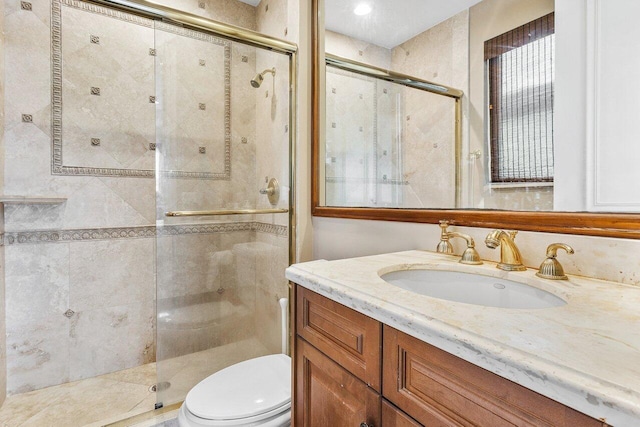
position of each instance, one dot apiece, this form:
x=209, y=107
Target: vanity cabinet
x=351, y=369
x=439, y=389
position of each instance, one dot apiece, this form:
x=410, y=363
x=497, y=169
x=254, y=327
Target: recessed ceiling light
x=362, y=9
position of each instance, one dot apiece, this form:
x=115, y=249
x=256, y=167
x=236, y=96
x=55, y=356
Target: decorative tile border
x=278, y=230
x=57, y=165
x=76, y=235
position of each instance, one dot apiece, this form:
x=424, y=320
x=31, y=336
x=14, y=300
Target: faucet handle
x=552, y=249
x=512, y=234
x=551, y=267
x=444, y=245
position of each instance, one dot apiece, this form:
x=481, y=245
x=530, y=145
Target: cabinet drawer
x=439, y=389
x=346, y=336
x=329, y=396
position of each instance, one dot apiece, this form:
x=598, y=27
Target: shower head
x=259, y=78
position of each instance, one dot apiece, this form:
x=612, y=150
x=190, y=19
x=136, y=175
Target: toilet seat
x=253, y=392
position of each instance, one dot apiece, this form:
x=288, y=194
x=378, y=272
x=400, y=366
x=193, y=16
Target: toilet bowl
x=256, y=392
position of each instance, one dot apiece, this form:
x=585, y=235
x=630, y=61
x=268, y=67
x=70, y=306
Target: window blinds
x=521, y=78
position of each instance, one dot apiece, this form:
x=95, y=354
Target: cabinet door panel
x=393, y=417
x=346, y=336
x=437, y=388
x=329, y=396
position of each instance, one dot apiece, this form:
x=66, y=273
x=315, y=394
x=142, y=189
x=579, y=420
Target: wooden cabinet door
x=394, y=417
x=329, y=396
x=439, y=389
x=350, y=338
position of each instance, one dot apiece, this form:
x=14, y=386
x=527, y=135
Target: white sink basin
x=472, y=289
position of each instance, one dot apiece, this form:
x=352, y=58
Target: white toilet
x=256, y=392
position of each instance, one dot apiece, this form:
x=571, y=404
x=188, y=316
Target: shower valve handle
x=268, y=191
x=272, y=191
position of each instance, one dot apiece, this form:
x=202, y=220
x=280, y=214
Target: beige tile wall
x=427, y=171
x=3, y=324
x=108, y=282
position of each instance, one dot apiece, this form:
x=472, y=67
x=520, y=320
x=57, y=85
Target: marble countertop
x=585, y=354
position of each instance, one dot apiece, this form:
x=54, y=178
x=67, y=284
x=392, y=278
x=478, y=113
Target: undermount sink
x=472, y=289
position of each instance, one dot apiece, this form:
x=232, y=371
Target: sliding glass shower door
x=223, y=200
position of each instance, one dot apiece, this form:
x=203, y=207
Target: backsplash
x=603, y=258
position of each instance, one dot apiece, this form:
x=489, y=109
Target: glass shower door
x=222, y=136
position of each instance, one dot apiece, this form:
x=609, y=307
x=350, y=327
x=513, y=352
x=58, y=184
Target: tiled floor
x=110, y=398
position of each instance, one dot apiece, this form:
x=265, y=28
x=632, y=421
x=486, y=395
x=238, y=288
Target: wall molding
x=89, y=234
x=57, y=160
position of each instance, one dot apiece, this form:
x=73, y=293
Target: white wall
x=570, y=101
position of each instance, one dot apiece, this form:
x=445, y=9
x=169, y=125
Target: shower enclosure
x=224, y=135
x=223, y=231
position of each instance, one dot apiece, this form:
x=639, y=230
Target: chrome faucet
x=469, y=256
x=510, y=258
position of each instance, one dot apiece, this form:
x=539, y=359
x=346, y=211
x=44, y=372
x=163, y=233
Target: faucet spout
x=510, y=257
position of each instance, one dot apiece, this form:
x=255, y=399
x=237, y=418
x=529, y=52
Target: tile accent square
x=202, y=62
x=63, y=30
x=25, y=5
x=385, y=91
x=152, y=99
x=202, y=106
x=333, y=125
x=201, y=4
x=152, y=146
x=202, y=150
x=94, y=39
x=27, y=118
x=333, y=90
x=95, y=142
x=95, y=91
x=244, y=140
x=245, y=58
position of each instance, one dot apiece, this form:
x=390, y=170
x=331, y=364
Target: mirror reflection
x=375, y=147
x=501, y=54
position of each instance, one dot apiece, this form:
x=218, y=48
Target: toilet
x=256, y=392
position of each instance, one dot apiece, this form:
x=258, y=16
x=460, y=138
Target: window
x=520, y=66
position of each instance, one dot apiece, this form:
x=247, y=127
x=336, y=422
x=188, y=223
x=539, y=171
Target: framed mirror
x=524, y=146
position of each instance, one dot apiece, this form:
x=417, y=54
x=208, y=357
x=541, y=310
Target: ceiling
x=394, y=21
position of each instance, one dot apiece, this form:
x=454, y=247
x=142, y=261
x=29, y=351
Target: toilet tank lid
x=243, y=390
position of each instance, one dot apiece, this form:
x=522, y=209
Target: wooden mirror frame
x=621, y=225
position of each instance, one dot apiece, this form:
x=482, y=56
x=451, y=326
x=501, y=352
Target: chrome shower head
x=259, y=78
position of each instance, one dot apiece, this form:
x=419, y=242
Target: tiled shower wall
x=3, y=340
x=427, y=169
x=80, y=275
